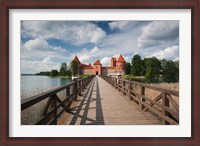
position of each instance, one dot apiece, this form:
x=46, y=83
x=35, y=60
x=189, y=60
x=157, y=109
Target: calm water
x=32, y=85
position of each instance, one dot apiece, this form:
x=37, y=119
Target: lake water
x=33, y=85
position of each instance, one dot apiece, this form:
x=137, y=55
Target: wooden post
x=76, y=90
x=119, y=84
x=68, y=98
x=142, y=99
x=165, y=102
x=84, y=82
x=129, y=90
x=124, y=87
x=55, y=112
x=79, y=87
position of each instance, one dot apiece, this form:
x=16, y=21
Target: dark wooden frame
x=102, y=4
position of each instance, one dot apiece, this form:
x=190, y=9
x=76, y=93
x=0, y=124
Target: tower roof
x=121, y=58
x=113, y=58
x=76, y=59
x=97, y=62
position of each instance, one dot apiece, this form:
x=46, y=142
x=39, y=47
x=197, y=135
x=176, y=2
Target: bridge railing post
x=165, y=102
x=129, y=90
x=68, y=98
x=124, y=87
x=82, y=85
x=116, y=80
x=75, y=90
x=141, y=98
x=79, y=87
x=119, y=84
x=55, y=112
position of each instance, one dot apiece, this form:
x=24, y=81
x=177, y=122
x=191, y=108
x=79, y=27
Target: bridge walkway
x=102, y=104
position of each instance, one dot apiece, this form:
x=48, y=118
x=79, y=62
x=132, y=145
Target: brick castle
x=116, y=68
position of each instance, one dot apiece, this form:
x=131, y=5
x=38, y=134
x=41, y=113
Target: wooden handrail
x=163, y=110
x=54, y=103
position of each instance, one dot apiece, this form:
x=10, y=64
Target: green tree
x=163, y=63
x=69, y=72
x=153, y=67
x=127, y=68
x=171, y=72
x=54, y=73
x=63, y=69
x=137, y=66
x=74, y=68
x=177, y=63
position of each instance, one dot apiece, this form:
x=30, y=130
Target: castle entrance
x=97, y=73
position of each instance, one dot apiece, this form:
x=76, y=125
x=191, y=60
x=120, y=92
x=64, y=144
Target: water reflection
x=33, y=85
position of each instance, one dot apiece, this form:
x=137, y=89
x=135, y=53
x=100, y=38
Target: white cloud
x=157, y=33
x=38, y=55
x=37, y=66
x=170, y=53
x=75, y=32
x=40, y=48
x=122, y=25
x=47, y=59
x=95, y=50
x=105, y=61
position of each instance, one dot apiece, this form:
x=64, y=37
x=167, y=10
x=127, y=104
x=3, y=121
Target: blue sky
x=46, y=44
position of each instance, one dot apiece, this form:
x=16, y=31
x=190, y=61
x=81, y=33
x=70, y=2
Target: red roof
x=76, y=59
x=121, y=58
x=97, y=62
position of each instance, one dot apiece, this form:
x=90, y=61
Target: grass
x=129, y=76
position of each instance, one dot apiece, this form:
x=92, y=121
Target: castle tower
x=97, y=67
x=79, y=64
x=76, y=60
x=113, y=62
x=120, y=64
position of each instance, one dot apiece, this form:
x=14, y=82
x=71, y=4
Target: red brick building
x=116, y=68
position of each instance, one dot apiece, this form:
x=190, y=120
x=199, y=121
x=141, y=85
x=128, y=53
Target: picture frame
x=89, y=4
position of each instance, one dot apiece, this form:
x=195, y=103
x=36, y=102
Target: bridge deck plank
x=102, y=104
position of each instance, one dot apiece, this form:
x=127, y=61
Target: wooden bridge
x=106, y=101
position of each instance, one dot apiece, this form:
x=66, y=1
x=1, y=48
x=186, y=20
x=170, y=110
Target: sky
x=46, y=44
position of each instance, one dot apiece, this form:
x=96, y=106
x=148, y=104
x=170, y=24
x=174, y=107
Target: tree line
x=152, y=69
x=64, y=70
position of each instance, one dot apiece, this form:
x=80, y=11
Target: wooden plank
x=105, y=105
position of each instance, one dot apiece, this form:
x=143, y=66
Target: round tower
x=120, y=64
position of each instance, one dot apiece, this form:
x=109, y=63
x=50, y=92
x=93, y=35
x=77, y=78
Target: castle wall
x=88, y=71
x=109, y=71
